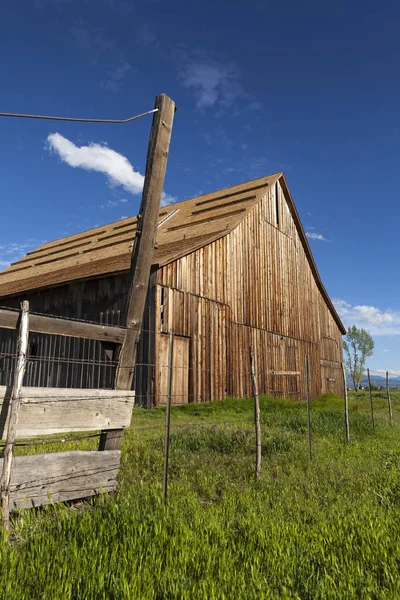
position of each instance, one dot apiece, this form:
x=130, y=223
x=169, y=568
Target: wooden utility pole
x=256, y=414
x=8, y=454
x=370, y=399
x=142, y=254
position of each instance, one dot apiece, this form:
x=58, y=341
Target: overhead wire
x=77, y=119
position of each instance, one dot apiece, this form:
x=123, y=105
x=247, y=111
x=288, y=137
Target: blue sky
x=310, y=88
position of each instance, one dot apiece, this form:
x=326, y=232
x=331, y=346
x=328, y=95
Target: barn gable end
x=257, y=285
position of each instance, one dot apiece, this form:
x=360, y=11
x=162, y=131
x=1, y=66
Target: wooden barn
x=230, y=269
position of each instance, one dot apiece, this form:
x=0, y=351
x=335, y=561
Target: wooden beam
x=60, y=476
x=65, y=327
x=8, y=454
x=46, y=411
x=142, y=254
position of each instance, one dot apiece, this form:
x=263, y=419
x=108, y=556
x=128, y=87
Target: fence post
x=256, y=414
x=19, y=373
x=168, y=414
x=388, y=397
x=346, y=406
x=308, y=407
x=370, y=399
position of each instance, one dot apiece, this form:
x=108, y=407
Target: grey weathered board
x=46, y=411
x=60, y=476
x=52, y=325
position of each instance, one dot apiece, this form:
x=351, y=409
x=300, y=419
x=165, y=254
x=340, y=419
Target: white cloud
x=115, y=77
x=386, y=350
x=100, y=158
x=146, y=34
x=374, y=315
x=39, y=4
x=316, y=236
x=113, y=203
x=92, y=42
x=376, y=321
x=121, y=7
x=12, y=251
x=213, y=83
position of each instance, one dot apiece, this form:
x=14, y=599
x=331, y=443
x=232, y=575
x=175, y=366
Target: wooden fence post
x=168, y=414
x=307, y=375
x=8, y=454
x=388, y=397
x=256, y=413
x=346, y=406
x=370, y=399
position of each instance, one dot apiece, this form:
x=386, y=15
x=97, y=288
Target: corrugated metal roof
x=183, y=228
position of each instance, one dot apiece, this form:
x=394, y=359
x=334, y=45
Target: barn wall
x=204, y=324
x=261, y=275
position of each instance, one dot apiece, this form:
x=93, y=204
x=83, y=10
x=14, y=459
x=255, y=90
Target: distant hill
x=378, y=380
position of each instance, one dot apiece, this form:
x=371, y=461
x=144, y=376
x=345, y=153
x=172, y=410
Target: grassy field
x=329, y=529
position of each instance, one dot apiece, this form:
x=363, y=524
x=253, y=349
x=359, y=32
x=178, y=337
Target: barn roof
x=183, y=228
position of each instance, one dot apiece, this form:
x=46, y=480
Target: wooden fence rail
x=47, y=411
x=53, y=326
x=60, y=476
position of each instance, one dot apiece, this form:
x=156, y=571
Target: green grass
x=329, y=529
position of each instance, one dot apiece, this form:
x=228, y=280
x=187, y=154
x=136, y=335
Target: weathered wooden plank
x=45, y=411
x=60, y=476
x=52, y=325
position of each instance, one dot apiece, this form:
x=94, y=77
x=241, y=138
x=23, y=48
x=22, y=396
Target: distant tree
x=358, y=345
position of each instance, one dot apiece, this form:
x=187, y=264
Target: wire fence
x=62, y=362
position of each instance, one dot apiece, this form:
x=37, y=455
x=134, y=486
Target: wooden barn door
x=180, y=370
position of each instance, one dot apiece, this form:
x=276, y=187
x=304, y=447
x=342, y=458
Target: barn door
x=180, y=370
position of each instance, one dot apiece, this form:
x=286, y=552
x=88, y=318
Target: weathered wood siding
x=204, y=324
x=260, y=279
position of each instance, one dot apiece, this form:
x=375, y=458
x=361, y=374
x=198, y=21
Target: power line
x=50, y=118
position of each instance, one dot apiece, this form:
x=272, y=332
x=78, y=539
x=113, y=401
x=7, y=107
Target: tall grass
x=325, y=529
